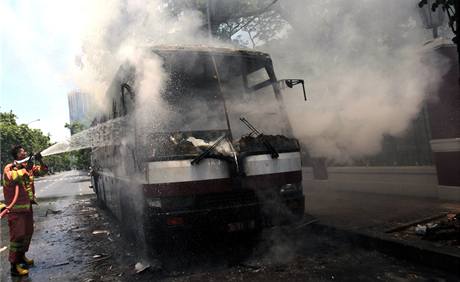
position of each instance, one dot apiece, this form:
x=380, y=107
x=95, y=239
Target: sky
x=37, y=47
x=39, y=44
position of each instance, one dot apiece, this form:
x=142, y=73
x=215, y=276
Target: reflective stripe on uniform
x=16, y=246
x=30, y=193
x=20, y=177
x=17, y=207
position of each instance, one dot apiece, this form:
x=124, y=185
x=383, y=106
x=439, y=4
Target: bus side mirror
x=293, y=82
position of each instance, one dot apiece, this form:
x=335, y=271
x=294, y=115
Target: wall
x=417, y=181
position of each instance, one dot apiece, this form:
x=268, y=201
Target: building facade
x=79, y=107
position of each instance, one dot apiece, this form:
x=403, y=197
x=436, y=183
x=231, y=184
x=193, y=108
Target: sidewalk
x=365, y=219
x=371, y=212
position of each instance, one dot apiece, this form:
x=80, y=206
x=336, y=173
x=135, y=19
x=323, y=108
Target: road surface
x=64, y=184
x=55, y=193
x=75, y=240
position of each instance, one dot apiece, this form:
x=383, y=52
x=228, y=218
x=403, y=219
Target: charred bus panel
x=237, y=185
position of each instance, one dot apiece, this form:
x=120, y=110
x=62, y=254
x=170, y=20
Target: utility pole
x=457, y=28
x=208, y=12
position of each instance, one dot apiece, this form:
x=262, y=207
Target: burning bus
x=224, y=158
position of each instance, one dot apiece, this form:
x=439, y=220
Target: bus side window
x=115, y=110
x=127, y=98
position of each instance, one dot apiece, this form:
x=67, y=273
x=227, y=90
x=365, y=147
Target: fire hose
x=15, y=198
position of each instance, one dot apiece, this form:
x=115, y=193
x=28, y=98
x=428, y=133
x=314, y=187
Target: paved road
x=66, y=248
x=55, y=193
x=63, y=184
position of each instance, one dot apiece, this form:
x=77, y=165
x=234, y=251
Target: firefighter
x=21, y=173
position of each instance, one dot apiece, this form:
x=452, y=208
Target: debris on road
x=253, y=268
x=60, y=264
x=445, y=230
x=78, y=229
x=50, y=211
x=99, y=258
x=420, y=229
x=3, y=249
x=412, y=223
x=139, y=267
x=96, y=232
x=306, y=223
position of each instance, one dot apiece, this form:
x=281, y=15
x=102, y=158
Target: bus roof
x=209, y=49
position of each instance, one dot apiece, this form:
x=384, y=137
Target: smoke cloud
x=116, y=32
x=362, y=62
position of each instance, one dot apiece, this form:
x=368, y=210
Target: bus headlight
x=154, y=202
x=291, y=188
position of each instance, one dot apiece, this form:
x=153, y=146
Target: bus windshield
x=192, y=95
x=249, y=92
x=199, y=85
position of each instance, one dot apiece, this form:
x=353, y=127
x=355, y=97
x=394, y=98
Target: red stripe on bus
x=272, y=180
x=188, y=188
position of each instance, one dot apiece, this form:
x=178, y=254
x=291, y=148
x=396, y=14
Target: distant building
x=79, y=107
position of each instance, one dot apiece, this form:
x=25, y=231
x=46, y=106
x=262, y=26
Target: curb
x=421, y=252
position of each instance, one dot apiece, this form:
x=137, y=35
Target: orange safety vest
x=19, y=175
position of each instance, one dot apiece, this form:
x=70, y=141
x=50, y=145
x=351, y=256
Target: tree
x=451, y=8
x=34, y=141
x=80, y=159
x=264, y=27
x=74, y=127
x=258, y=18
x=12, y=134
x=61, y=162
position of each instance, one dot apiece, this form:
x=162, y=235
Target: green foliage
x=12, y=134
x=80, y=159
x=33, y=140
x=61, y=162
x=261, y=28
x=74, y=127
x=258, y=18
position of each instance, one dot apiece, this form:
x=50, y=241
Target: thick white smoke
x=362, y=61
x=115, y=32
